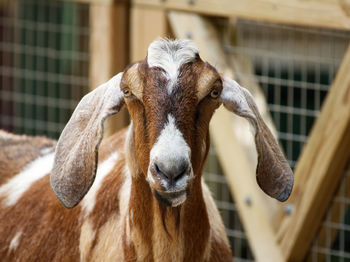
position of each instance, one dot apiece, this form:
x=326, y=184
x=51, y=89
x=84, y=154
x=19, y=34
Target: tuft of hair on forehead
x=171, y=54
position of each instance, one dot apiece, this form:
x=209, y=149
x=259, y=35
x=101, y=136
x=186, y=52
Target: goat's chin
x=171, y=199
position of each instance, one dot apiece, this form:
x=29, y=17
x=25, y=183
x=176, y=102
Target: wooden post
x=319, y=13
x=109, y=48
x=320, y=167
x=244, y=188
x=327, y=235
x=147, y=24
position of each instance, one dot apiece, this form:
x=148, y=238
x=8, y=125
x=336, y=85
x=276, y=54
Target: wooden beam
x=109, y=48
x=320, y=167
x=243, y=186
x=100, y=2
x=319, y=13
x=336, y=214
x=239, y=171
x=244, y=69
x=204, y=34
x=147, y=24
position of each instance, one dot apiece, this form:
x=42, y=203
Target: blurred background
x=287, y=54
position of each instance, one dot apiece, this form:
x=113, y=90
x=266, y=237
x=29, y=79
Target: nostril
x=173, y=172
x=156, y=168
x=160, y=172
x=181, y=171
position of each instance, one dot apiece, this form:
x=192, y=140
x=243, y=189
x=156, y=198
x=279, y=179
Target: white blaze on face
x=170, y=148
x=170, y=55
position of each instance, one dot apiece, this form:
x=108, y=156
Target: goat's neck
x=161, y=231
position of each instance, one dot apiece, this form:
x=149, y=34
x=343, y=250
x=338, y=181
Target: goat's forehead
x=167, y=68
x=171, y=54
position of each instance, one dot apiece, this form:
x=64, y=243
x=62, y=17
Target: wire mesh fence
x=332, y=242
x=44, y=62
x=295, y=67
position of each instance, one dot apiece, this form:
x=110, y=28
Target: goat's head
x=171, y=97
x=171, y=103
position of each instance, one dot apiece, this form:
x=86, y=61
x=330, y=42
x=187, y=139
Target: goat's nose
x=171, y=172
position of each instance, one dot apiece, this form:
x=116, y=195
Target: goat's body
x=118, y=220
x=147, y=201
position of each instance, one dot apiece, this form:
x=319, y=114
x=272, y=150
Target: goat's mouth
x=172, y=199
x=170, y=180
x=170, y=188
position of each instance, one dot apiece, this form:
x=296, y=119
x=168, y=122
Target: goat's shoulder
x=103, y=196
x=220, y=249
x=17, y=151
x=33, y=220
x=112, y=144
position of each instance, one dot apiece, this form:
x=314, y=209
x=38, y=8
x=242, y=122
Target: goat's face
x=171, y=97
x=171, y=104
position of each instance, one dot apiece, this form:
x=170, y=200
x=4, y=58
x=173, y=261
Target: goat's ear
x=76, y=156
x=274, y=175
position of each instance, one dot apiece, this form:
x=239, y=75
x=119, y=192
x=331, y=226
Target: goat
x=138, y=195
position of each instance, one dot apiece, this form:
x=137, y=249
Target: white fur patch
x=6, y=135
x=170, y=146
x=15, y=241
x=170, y=150
x=124, y=198
x=125, y=191
x=46, y=150
x=204, y=147
x=88, y=202
x=87, y=236
x=170, y=55
x=170, y=143
x=18, y=185
x=109, y=244
x=129, y=148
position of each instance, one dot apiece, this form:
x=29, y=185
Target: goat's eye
x=214, y=93
x=126, y=92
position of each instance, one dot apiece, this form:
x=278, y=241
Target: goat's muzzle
x=170, y=180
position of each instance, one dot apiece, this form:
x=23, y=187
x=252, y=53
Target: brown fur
x=192, y=118
x=44, y=224
x=18, y=151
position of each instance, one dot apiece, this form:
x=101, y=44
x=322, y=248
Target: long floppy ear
x=274, y=175
x=76, y=156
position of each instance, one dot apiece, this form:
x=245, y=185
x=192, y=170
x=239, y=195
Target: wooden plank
x=244, y=69
x=204, y=34
x=100, y=2
x=93, y=2
x=109, y=48
x=239, y=171
x=243, y=186
x=336, y=215
x=147, y=24
x=320, y=167
x=319, y=13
